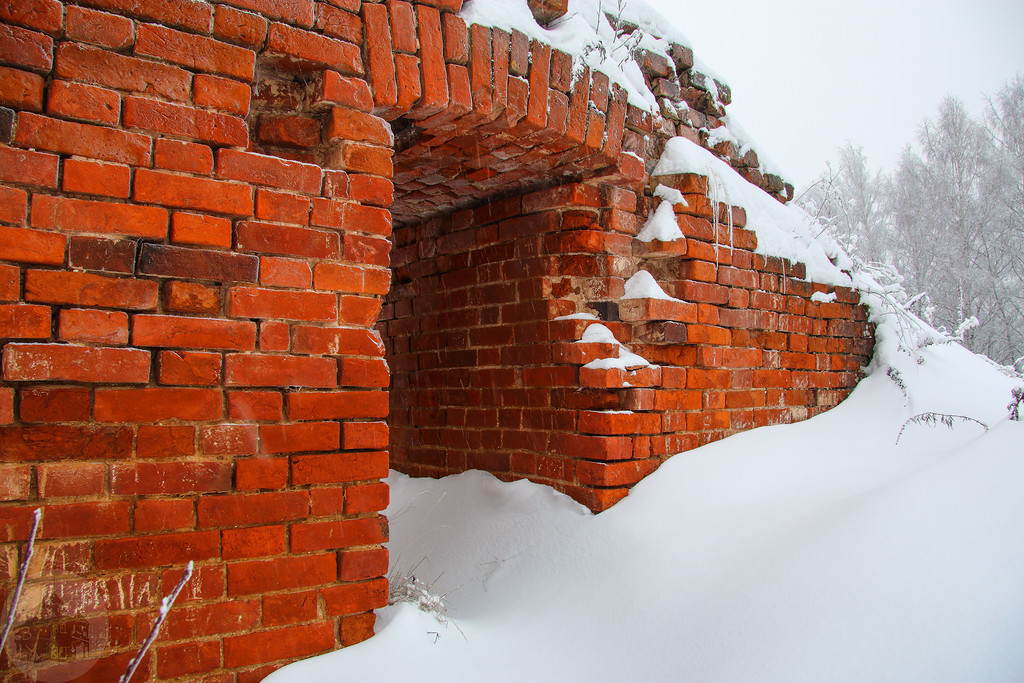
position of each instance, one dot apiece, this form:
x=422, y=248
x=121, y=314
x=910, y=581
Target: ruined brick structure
x=226, y=229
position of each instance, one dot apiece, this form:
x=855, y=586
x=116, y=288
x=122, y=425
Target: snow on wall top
x=586, y=33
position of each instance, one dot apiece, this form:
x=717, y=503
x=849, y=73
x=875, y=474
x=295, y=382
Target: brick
x=613, y=473
x=360, y=372
x=10, y=282
x=92, y=253
x=163, y=478
x=364, y=435
x=261, y=169
x=165, y=441
x=255, y=405
x=97, y=178
x=290, y=608
x=347, y=124
x=239, y=27
x=359, y=565
x=195, y=16
x=196, y=53
x=84, y=289
x=84, y=215
x=25, y=48
x=260, y=541
x=24, y=167
x=350, y=216
x=58, y=362
x=20, y=321
x=407, y=73
x=435, y=77
x=305, y=52
x=355, y=310
x=607, y=423
x=333, y=88
x=337, y=405
x=156, y=404
x=284, y=643
x=177, y=119
x=31, y=246
x=358, y=157
x=285, y=272
x=177, y=155
x=90, y=325
x=373, y=190
x=366, y=498
x=156, y=550
x=280, y=371
x=224, y=94
x=54, y=404
x=342, y=277
x=592, y=447
x=191, y=297
x=201, y=264
x=261, y=473
x=274, y=336
x=101, y=28
x=21, y=89
x=200, y=230
x=250, y=302
x=13, y=205
x=164, y=514
x=69, y=137
x=42, y=15
x=64, y=480
x=282, y=207
x=304, y=436
x=289, y=131
x=193, y=657
x=197, y=333
x=269, y=238
x=93, y=65
x=189, y=368
x=83, y=102
x=15, y=482
x=336, y=468
x=380, y=54
x=336, y=341
x=185, y=192
x=356, y=597
x=44, y=442
x=286, y=573
x=311, y=536
x=299, y=12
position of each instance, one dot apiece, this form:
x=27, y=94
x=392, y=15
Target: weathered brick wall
x=484, y=375
x=196, y=208
x=189, y=370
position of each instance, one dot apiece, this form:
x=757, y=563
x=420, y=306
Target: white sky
x=808, y=75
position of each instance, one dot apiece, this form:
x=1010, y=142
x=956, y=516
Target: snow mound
x=816, y=551
x=644, y=286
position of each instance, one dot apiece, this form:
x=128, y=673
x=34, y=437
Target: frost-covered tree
x=951, y=219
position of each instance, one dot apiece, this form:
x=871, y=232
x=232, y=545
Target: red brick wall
x=196, y=207
x=186, y=302
x=485, y=377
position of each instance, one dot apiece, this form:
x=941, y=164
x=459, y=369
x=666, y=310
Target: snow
x=823, y=298
x=644, y=286
x=816, y=551
x=782, y=230
x=662, y=224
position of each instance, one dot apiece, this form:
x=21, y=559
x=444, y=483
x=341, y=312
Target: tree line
x=947, y=225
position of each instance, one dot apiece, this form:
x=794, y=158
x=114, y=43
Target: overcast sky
x=808, y=75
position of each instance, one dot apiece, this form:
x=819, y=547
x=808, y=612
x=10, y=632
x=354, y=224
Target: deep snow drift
x=821, y=551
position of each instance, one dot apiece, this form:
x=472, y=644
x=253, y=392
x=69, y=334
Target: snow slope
x=821, y=551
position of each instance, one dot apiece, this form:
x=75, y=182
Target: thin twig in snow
x=22, y=573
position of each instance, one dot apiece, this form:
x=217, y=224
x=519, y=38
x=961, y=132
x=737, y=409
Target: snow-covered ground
x=820, y=551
